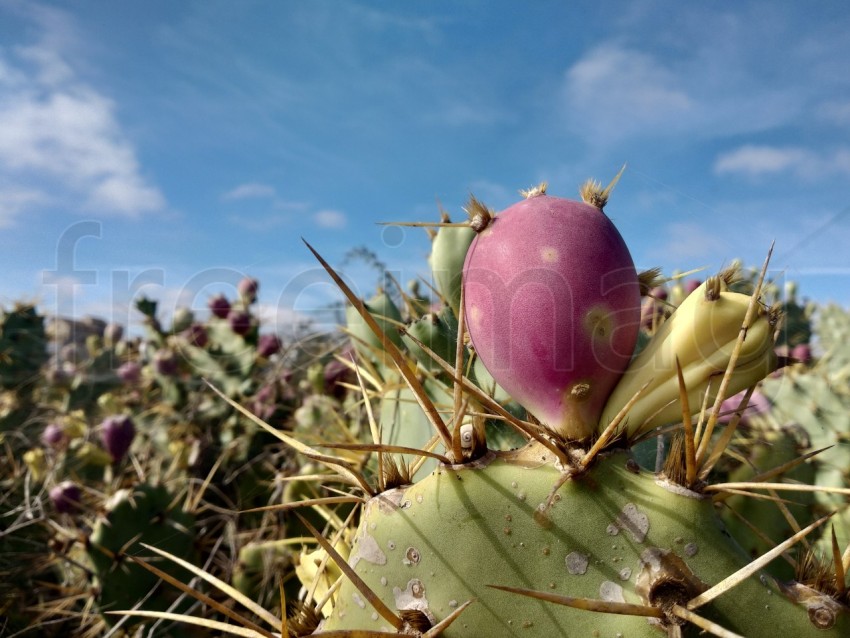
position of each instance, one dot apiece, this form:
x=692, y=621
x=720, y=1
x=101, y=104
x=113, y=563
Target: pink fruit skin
x=552, y=304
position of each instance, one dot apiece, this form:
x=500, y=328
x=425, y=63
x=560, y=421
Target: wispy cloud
x=628, y=83
x=330, y=219
x=14, y=200
x=263, y=209
x=251, y=190
x=755, y=161
x=618, y=91
x=60, y=135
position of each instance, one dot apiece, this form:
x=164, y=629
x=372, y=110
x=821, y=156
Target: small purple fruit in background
x=165, y=363
x=59, y=374
x=117, y=433
x=197, y=335
x=219, y=306
x=53, y=435
x=653, y=310
x=248, y=288
x=264, y=402
x=268, y=345
x=336, y=374
x=66, y=497
x=802, y=353
x=659, y=292
x=759, y=404
x=691, y=285
x=129, y=372
x=240, y=322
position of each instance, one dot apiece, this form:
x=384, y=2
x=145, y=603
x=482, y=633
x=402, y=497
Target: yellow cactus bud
x=75, y=425
x=37, y=463
x=91, y=454
x=701, y=334
x=307, y=570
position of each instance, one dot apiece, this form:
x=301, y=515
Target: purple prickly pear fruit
x=117, y=434
x=659, y=292
x=59, y=375
x=247, y=289
x=802, y=353
x=165, y=363
x=197, y=335
x=53, y=435
x=552, y=303
x=691, y=285
x=268, y=345
x=649, y=314
x=653, y=310
x=759, y=404
x=264, y=402
x=66, y=497
x=240, y=322
x=130, y=372
x=336, y=374
x=219, y=306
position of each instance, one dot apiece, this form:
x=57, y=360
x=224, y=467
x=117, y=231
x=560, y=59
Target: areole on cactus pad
x=552, y=303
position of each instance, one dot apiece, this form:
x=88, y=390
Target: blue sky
x=167, y=148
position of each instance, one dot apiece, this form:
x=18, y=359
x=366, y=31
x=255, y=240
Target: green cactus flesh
x=448, y=253
x=612, y=534
x=145, y=514
x=259, y=561
x=23, y=347
x=771, y=450
x=438, y=332
x=388, y=317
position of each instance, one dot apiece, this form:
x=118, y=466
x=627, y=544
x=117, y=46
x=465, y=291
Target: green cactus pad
x=388, y=317
x=145, y=514
x=611, y=534
x=448, y=253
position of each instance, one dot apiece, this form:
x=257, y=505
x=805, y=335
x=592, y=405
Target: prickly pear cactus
x=814, y=397
x=612, y=535
x=568, y=535
x=145, y=514
x=23, y=347
x=23, y=351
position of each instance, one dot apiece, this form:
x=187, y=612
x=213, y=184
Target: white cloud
x=624, y=89
x=16, y=199
x=634, y=79
x=616, y=92
x=59, y=137
x=759, y=160
x=332, y=219
x=251, y=190
x=281, y=319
